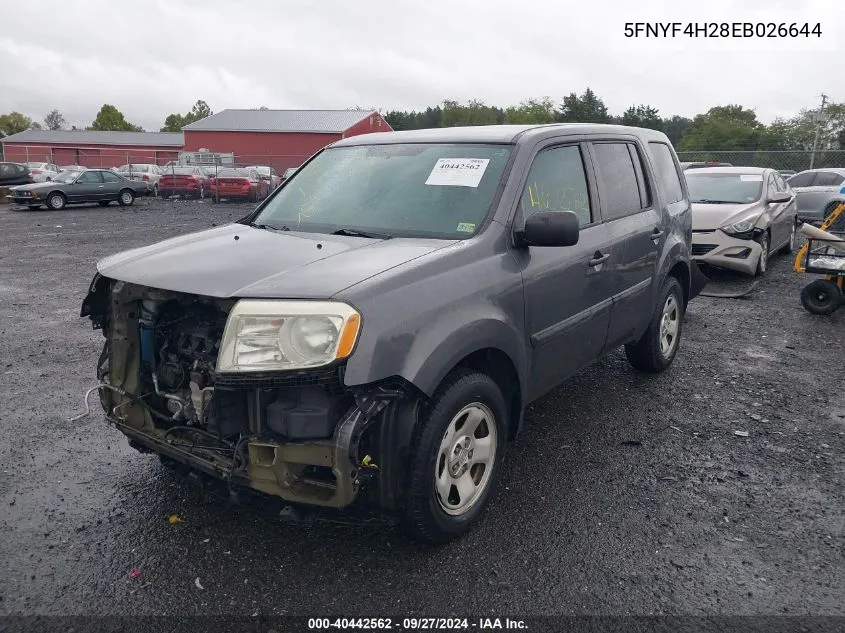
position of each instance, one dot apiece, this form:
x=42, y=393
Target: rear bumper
x=717, y=248
x=178, y=191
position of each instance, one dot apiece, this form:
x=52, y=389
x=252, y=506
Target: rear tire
x=126, y=198
x=457, y=459
x=821, y=297
x=656, y=349
x=787, y=248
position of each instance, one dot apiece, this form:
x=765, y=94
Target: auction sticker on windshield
x=458, y=172
x=751, y=178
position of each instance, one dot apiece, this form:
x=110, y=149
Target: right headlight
x=277, y=335
x=737, y=228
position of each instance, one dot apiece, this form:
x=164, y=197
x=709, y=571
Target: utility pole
x=819, y=122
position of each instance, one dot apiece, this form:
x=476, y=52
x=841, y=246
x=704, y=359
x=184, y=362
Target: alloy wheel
x=465, y=459
x=669, y=326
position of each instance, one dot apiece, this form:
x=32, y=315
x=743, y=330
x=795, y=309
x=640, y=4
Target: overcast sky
x=153, y=57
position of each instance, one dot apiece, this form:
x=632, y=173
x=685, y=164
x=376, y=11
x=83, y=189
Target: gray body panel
x=427, y=304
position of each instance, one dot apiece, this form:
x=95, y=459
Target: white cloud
x=153, y=58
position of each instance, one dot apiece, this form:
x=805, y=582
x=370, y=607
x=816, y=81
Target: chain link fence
x=780, y=160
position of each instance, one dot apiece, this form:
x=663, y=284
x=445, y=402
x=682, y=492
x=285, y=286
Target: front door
x=87, y=188
x=567, y=301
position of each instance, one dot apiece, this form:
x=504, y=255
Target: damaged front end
x=192, y=378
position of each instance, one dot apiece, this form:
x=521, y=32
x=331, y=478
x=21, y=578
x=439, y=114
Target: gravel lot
x=626, y=494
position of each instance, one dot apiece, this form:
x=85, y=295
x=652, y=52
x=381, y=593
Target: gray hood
x=708, y=217
x=34, y=186
x=241, y=261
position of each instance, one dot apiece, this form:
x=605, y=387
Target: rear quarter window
x=828, y=179
x=667, y=171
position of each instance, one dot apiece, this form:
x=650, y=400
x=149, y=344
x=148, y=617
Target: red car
x=239, y=183
x=184, y=180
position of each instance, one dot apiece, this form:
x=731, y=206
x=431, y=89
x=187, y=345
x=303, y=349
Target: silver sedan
x=819, y=191
x=739, y=216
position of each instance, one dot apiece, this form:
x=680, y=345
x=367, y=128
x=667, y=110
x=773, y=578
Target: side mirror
x=550, y=228
x=780, y=196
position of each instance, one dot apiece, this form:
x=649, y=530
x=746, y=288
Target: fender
x=433, y=351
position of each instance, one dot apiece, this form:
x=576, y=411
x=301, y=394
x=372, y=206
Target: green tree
x=730, y=127
x=586, y=108
x=54, y=120
x=532, y=111
x=642, y=116
x=15, y=122
x=475, y=112
x=175, y=122
x=675, y=127
x=109, y=118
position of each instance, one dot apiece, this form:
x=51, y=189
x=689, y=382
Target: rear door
x=802, y=185
x=567, y=298
x=637, y=229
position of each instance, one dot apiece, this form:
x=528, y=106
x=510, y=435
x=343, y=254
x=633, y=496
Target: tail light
x=35, y=171
x=146, y=178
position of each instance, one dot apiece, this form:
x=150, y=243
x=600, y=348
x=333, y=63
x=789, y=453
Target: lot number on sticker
x=458, y=172
x=466, y=227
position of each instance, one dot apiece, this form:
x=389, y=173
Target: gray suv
x=370, y=336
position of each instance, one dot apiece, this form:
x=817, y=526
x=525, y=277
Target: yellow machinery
x=823, y=296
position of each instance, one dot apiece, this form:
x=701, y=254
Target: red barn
x=91, y=148
x=281, y=138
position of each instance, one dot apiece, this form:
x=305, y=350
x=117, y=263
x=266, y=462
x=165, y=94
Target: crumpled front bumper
x=717, y=248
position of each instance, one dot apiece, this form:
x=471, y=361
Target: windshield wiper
x=706, y=201
x=270, y=227
x=354, y=233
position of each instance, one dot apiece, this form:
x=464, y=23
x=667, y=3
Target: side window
x=6, y=171
x=771, y=189
x=828, y=179
x=91, y=177
x=618, y=178
x=109, y=176
x=557, y=182
x=803, y=180
x=667, y=171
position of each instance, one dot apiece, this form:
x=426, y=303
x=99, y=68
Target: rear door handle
x=656, y=234
x=598, y=258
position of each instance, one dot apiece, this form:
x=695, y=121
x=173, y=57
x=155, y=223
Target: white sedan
x=42, y=172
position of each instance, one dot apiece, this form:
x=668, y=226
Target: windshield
x=37, y=165
x=134, y=168
x=234, y=173
x=724, y=188
x=430, y=190
x=261, y=170
x=66, y=176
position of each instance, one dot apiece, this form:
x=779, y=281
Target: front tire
x=126, y=198
x=822, y=297
x=56, y=201
x=763, y=262
x=656, y=349
x=458, y=457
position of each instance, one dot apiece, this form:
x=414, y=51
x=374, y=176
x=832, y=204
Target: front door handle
x=656, y=234
x=101, y=186
x=598, y=258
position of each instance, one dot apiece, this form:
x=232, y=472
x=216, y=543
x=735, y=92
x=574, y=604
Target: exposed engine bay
x=299, y=435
